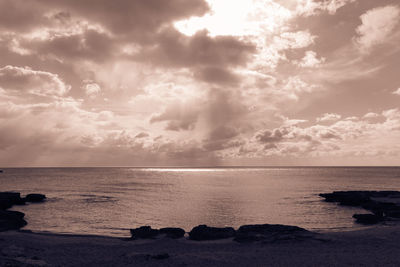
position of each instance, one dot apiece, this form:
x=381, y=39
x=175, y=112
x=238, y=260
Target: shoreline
x=249, y=245
x=375, y=246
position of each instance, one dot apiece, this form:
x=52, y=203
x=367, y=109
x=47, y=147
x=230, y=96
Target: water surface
x=108, y=201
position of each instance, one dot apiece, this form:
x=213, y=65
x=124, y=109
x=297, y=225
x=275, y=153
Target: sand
x=376, y=246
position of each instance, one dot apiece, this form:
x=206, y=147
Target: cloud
x=377, y=25
x=329, y=117
x=310, y=60
x=124, y=83
x=243, y=18
x=136, y=19
x=174, y=49
x=142, y=135
x=16, y=81
x=180, y=116
x=396, y=92
x=342, y=139
x=91, y=88
x=293, y=40
x=312, y=7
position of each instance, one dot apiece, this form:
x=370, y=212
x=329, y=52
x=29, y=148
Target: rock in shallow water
x=35, y=197
x=204, y=232
x=8, y=199
x=368, y=218
x=378, y=202
x=144, y=232
x=11, y=220
x=171, y=232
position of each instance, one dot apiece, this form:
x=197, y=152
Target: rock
x=172, y=232
x=270, y=232
x=8, y=199
x=348, y=198
x=380, y=208
x=393, y=214
x=35, y=198
x=11, y=220
x=144, y=232
x=204, y=232
x=367, y=218
x=5, y=204
x=374, y=201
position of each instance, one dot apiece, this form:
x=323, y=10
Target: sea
x=110, y=201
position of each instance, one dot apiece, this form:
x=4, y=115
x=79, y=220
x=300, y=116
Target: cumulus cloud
x=126, y=83
x=180, y=116
x=312, y=7
x=198, y=50
x=329, y=117
x=23, y=80
x=293, y=40
x=134, y=18
x=310, y=60
x=377, y=25
x=396, y=92
x=91, y=88
x=342, y=139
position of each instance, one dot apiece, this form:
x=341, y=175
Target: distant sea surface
x=109, y=201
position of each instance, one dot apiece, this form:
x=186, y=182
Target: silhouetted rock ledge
x=14, y=220
x=245, y=233
x=35, y=198
x=383, y=204
x=146, y=232
x=204, y=232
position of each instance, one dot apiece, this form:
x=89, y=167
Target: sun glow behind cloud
x=237, y=18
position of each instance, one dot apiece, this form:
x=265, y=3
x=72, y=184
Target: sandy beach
x=376, y=246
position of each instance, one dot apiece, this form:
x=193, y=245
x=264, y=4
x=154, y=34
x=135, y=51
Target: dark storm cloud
x=135, y=18
x=216, y=75
x=178, y=117
x=89, y=45
x=174, y=49
x=20, y=15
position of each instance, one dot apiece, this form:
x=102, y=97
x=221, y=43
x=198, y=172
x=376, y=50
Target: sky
x=199, y=82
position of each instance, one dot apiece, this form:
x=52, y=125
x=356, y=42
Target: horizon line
x=209, y=167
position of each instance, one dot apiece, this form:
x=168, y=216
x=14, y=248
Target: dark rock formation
x=144, y=232
x=348, y=198
x=5, y=204
x=11, y=220
x=35, y=198
x=382, y=209
x=270, y=232
x=8, y=199
x=172, y=232
x=204, y=232
x=367, y=218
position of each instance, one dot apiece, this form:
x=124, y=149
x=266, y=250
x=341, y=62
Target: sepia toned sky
x=199, y=82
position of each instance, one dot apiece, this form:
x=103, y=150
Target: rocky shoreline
x=14, y=220
x=244, y=234
x=383, y=205
x=249, y=245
